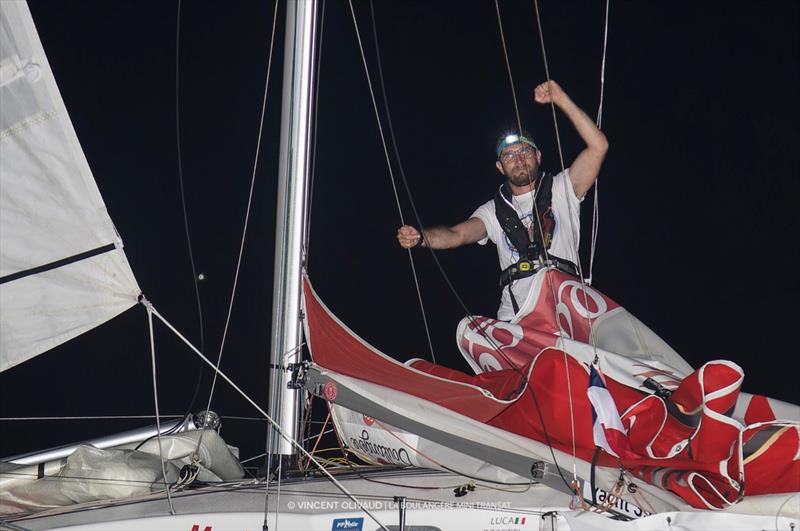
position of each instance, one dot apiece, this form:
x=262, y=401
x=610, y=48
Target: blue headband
x=510, y=140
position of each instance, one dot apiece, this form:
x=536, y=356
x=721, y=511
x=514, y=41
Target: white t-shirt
x=566, y=209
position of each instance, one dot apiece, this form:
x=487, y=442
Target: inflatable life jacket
x=531, y=246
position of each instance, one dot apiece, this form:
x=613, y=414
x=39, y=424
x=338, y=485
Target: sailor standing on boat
x=534, y=217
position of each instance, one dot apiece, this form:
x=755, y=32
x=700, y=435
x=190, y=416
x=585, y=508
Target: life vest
x=530, y=248
x=530, y=245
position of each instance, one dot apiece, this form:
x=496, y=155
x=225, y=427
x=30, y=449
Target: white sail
x=62, y=268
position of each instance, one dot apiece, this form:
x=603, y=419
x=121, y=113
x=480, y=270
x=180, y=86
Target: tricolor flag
x=609, y=433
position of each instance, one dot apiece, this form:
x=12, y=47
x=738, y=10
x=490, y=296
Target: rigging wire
x=266, y=415
x=184, y=208
x=599, y=122
x=508, y=66
x=417, y=217
x=389, y=165
x=534, y=189
x=246, y=216
x=310, y=191
x=469, y=315
x=95, y=417
x=399, y=168
x=413, y=204
x=150, y=310
x=541, y=233
x=572, y=233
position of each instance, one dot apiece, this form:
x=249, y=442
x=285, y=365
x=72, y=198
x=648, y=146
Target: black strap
x=525, y=268
x=514, y=304
x=58, y=263
x=512, y=226
x=591, y=476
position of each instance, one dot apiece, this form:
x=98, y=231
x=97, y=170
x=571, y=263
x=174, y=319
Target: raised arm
x=464, y=233
x=586, y=166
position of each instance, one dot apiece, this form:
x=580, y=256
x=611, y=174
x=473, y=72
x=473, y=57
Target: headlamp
x=510, y=140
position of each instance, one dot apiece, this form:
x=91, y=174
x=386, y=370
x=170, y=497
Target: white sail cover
x=62, y=268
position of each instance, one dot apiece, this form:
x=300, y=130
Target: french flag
x=609, y=433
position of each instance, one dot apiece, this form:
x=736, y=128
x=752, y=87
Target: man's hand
x=586, y=166
x=408, y=236
x=549, y=91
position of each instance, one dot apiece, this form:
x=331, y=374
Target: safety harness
x=529, y=245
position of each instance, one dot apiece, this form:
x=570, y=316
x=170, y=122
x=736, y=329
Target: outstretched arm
x=464, y=233
x=586, y=166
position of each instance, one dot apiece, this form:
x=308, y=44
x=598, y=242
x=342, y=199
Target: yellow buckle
x=525, y=266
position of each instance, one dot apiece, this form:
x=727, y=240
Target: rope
x=274, y=387
x=97, y=480
x=433, y=253
x=314, y=449
x=508, y=66
x=599, y=122
x=389, y=166
x=533, y=192
x=400, y=169
x=573, y=236
x=563, y=168
x=266, y=415
x=183, y=205
x=150, y=310
x=414, y=208
x=310, y=191
x=99, y=417
x=246, y=220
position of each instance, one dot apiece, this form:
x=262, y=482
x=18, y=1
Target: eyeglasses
x=511, y=155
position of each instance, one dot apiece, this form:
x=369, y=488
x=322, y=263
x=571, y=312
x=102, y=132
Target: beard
x=524, y=174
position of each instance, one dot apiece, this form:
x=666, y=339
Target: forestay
x=62, y=268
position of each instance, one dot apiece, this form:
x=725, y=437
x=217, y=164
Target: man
x=534, y=216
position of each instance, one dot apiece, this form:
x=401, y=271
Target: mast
x=293, y=175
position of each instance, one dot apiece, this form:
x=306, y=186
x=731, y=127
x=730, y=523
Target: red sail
x=685, y=443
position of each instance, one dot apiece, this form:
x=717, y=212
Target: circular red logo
x=369, y=421
x=330, y=391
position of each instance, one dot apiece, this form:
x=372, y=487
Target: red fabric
x=560, y=295
x=334, y=347
x=705, y=472
x=504, y=385
x=774, y=466
x=759, y=410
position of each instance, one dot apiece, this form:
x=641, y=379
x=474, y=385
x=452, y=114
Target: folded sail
x=62, y=268
x=682, y=440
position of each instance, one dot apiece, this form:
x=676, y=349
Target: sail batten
x=58, y=263
x=62, y=267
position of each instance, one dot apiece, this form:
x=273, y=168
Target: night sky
x=697, y=205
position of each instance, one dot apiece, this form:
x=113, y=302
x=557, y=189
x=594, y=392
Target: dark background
x=698, y=192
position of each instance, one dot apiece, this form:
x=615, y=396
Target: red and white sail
x=686, y=443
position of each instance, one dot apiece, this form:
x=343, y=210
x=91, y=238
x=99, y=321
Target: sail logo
x=579, y=299
x=386, y=454
x=330, y=391
x=482, y=340
x=347, y=524
x=507, y=520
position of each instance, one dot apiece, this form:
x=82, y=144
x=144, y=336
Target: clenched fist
x=408, y=236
